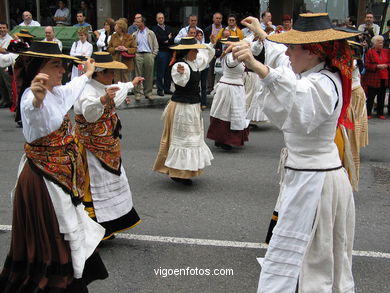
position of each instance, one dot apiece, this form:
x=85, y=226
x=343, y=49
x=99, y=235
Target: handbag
x=127, y=55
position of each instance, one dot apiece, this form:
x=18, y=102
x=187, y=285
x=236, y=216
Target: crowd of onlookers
x=144, y=48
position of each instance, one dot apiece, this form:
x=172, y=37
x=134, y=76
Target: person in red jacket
x=376, y=79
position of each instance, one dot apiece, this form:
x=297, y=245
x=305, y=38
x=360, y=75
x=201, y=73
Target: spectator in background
x=105, y=35
x=192, y=32
x=212, y=30
x=369, y=25
x=266, y=20
x=351, y=22
x=133, y=28
x=5, y=79
x=28, y=21
x=81, y=21
x=164, y=35
x=232, y=27
x=286, y=24
x=386, y=38
x=88, y=12
x=203, y=74
x=192, y=22
x=376, y=78
x=147, y=49
x=62, y=15
x=50, y=36
x=210, y=35
x=122, y=47
x=80, y=48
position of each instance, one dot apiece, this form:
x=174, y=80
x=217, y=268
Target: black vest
x=190, y=92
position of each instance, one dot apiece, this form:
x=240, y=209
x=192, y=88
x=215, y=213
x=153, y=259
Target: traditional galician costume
x=53, y=240
x=183, y=152
x=228, y=123
x=108, y=198
x=311, y=245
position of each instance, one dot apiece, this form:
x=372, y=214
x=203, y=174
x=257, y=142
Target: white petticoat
x=253, y=90
x=229, y=104
x=111, y=193
x=187, y=150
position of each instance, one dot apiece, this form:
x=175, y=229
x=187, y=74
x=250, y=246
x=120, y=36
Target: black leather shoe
x=217, y=144
x=160, y=93
x=168, y=92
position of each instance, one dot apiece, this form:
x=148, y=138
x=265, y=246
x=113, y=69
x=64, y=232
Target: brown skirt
x=220, y=131
x=39, y=259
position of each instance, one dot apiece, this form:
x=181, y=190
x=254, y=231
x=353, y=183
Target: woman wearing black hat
x=183, y=153
x=53, y=239
x=307, y=87
x=108, y=199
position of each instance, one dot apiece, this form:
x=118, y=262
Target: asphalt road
x=232, y=202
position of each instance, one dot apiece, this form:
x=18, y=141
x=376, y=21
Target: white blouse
x=305, y=107
x=100, y=42
x=202, y=60
x=39, y=122
x=89, y=104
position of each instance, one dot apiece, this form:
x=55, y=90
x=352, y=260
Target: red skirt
x=39, y=259
x=220, y=131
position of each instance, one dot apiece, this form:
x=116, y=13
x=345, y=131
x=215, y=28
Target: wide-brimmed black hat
x=187, y=43
x=24, y=33
x=104, y=60
x=313, y=28
x=45, y=49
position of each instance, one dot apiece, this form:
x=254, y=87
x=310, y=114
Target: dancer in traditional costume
x=108, y=199
x=307, y=87
x=228, y=123
x=53, y=240
x=183, y=152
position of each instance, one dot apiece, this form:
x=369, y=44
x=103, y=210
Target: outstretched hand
x=254, y=25
x=89, y=67
x=137, y=80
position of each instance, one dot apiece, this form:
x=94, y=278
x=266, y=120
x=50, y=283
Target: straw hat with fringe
x=104, y=60
x=45, y=49
x=188, y=43
x=312, y=28
x=24, y=33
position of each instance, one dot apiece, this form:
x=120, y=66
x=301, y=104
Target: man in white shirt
x=5, y=80
x=50, y=36
x=369, y=24
x=192, y=21
x=62, y=15
x=266, y=20
x=28, y=21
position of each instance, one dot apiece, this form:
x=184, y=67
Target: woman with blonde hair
x=122, y=47
x=80, y=48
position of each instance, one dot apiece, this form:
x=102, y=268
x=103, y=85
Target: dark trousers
x=211, y=76
x=380, y=98
x=163, y=78
x=5, y=87
x=203, y=87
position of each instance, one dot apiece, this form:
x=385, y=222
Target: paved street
x=230, y=205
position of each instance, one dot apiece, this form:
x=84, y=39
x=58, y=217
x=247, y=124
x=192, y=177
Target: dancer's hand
x=180, y=68
x=137, y=80
x=89, y=67
x=254, y=25
x=39, y=88
x=110, y=94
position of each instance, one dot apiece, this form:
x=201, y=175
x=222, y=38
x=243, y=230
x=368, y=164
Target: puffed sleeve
x=100, y=42
x=35, y=117
x=180, y=79
x=230, y=61
x=297, y=105
x=205, y=56
x=275, y=54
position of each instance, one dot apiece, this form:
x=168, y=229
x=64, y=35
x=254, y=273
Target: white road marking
x=210, y=242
